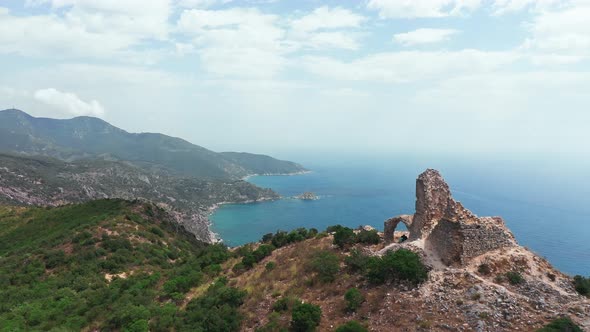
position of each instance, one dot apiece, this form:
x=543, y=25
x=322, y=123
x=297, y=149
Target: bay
x=545, y=207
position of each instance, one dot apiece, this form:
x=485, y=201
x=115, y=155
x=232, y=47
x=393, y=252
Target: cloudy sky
x=265, y=76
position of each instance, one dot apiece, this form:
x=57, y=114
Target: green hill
x=88, y=137
x=107, y=265
x=114, y=265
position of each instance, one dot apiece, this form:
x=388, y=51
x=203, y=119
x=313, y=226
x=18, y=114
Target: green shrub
x=514, y=278
x=356, y=261
x=333, y=228
x=157, y=231
x=305, y=317
x=263, y=251
x=313, y=232
x=55, y=258
x=582, y=285
x=354, y=298
x=297, y=235
x=285, y=303
x=216, y=310
x=344, y=237
x=280, y=239
x=266, y=238
x=368, y=237
x=238, y=268
x=325, y=264
x=351, y=326
x=563, y=324
x=248, y=260
x=270, y=266
x=400, y=265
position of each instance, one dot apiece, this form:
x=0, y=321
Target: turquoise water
x=547, y=210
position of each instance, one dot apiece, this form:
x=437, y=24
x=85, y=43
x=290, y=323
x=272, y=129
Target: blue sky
x=485, y=76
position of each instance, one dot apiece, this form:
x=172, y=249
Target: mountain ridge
x=89, y=137
x=52, y=162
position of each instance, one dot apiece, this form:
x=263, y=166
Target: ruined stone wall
x=446, y=240
x=391, y=224
x=481, y=238
x=457, y=242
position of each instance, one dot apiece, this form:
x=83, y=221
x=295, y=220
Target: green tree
x=305, y=317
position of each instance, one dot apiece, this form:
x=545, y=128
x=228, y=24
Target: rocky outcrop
x=307, y=196
x=448, y=229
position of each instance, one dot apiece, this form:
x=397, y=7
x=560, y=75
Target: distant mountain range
x=51, y=162
x=92, y=138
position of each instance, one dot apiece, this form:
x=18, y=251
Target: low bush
x=356, y=261
x=354, y=298
x=400, y=265
x=563, y=324
x=582, y=285
x=514, y=278
x=344, y=237
x=368, y=237
x=270, y=266
x=305, y=317
x=325, y=264
x=285, y=304
x=351, y=326
x=157, y=231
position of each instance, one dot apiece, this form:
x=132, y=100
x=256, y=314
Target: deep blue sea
x=545, y=205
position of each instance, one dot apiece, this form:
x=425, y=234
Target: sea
x=545, y=204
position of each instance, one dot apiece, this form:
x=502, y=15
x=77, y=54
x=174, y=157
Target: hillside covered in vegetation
x=115, y=265
x=93, y=138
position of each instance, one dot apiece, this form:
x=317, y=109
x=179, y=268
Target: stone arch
x=391, y=225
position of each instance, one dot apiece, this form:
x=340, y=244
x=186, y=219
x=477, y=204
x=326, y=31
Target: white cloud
x=327, y=18
x=509, y=6
x=85, y=28
x=422, y=8
x=201, y=3
x=69, y=102
x=565, y=32
x=326, y=28
x=236, y=42
x=409, y=66
x=424, y=36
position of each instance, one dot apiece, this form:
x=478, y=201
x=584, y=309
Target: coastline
x=245, y=178
x=214, y=237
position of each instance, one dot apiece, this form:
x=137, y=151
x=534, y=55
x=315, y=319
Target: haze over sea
x=544, y=204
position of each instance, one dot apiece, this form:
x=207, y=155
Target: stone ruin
x=447, y=228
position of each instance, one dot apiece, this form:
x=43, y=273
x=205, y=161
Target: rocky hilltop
x=114, y=265
x=479, y=278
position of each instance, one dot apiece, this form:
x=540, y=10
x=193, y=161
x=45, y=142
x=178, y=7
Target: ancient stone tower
x=448, y=229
